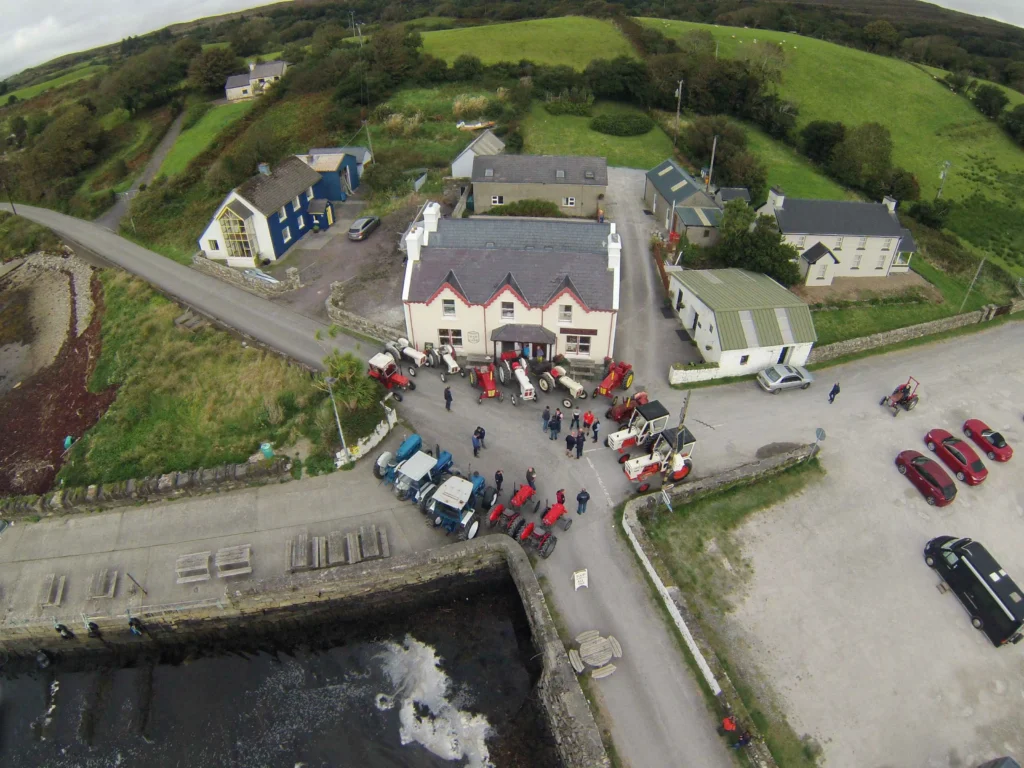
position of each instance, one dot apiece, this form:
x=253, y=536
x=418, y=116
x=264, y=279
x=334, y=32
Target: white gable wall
x=213, y=232
x=462, y=168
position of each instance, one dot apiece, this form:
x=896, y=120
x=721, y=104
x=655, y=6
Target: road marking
x=600, y=482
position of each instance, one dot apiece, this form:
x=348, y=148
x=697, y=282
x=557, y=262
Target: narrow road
x=111, y=219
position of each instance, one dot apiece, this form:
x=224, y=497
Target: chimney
x=431, y=213
x=252, y=65
x=776, y=198
x=890, y=203
x=614, y=249
x=413, y=243
x=264, y=169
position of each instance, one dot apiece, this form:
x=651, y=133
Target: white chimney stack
x=413, y=243
x=612, y=225
x=776, y=198
x=431, y=214
x=614, y=249
x=252, y=65
x=890, y=203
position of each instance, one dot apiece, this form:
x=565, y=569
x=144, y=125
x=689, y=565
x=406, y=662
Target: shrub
x=577, y=100
x=466, y=106
x=544, y=208
x=567, y=108
x=629, y=124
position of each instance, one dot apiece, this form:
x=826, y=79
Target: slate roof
x=528, y=334
x=815, y=252
x=288, y=179
x=751, y=310
x=700, y=217
x=237, y=81
x=732, y=193
x=478, y=274
x=836, y=217
x=484, y=145
x=907, y=242
x=541, y=169
x=238, y=207
x=317, y=206
x=268, y=69
x=522, y=234
x=676, y=185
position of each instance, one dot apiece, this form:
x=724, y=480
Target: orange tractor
x=384, y=368
x=482, y=377
x=619, y=374
x=622, y=411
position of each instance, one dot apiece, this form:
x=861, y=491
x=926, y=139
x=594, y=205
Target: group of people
x=577, y=436
x=730, y=727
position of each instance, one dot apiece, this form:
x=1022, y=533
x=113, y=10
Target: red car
x=957, y=455
x=991, y=442
x=929, y=478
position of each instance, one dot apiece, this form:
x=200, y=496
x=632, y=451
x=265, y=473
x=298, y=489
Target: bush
x=567, y=108
x=466, y=107
x=577, y=100
x=630, y=124
x=544, y=208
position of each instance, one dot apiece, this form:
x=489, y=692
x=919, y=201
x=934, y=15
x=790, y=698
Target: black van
x=990, y=597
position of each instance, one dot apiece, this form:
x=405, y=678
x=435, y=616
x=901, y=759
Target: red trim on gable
x=511, y=290
x=564, y=291
x=453, y=290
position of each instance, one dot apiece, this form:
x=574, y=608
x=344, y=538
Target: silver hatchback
x=780, y=377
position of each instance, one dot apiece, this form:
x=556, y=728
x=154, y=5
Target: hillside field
x=31, y=91
x=570, y=40
x=193, y=141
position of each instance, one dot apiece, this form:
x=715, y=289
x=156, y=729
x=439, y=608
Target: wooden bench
x=234, y=561
x=298, y=553
x=53, y=590
x=194, y=567
x=104, y=585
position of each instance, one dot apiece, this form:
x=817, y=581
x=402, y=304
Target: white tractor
x=403, y=350
x=448, y=361
x=511, y=368
x=668, y=459
x=647, y=421
x=559, y=375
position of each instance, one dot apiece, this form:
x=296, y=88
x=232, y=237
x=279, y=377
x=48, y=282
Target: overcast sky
x=32, y=34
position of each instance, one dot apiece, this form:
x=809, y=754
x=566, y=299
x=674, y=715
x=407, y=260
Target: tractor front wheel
x=644, y=487
x=397, y=395
x=582, y=394
x=515, y=400
x=444, y=377
x=628, y=381
x=623, y=458
x=615, y=400
x=595, y=393
x=412, y=370
x=480, y=399
x=608, y=413
x=911, y=404
x=462, y=374
x=566, y=523
x=411, y=386
x=472, y=378
x=566, y=402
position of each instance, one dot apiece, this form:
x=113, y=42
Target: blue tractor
x=453, y=504
x=411, y=471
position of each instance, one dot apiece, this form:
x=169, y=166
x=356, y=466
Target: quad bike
x=384, y=368
x=512, y=369
x=448, y=361
x=402, y=350
x=482, y=377
x=904, y=396
x=619, y=374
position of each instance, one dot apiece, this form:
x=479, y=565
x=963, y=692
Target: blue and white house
x=339, y=167
x=265, y=216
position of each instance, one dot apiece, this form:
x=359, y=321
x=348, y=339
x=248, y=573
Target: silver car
x=780, y=377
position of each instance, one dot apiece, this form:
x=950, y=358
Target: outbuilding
x=484, y=145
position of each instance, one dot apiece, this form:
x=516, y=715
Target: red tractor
x=619, y=374
x=483, y=378
x=521, y=495
x=904, y=396
x=384, y=368
x=622, y=412
x=540, y=536
x=669, y=459
x=510, y=521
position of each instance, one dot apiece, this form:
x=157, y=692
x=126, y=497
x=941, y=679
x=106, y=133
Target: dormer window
x=588, y=174
x=489, y=172
x=559, y=174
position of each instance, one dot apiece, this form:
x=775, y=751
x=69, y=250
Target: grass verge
x=192, y=142
x=20, y=237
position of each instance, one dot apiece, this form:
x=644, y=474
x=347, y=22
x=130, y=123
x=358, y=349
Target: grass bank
x=31, y=91
x=547, y=134
x=190, y=400
x=697, y=546
x=20, y=237
x=570, y=40
x=193, y=141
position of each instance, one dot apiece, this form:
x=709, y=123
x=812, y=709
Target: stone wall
x=352, y=322
x=239, y=278
x=675, y=603
x=685, y=374
x=350, y=594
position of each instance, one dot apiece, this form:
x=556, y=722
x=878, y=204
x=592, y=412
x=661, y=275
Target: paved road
x=111, y=219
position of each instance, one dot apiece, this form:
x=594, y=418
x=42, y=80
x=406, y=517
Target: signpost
x=819, y=437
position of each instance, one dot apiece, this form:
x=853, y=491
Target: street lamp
x=337, y=420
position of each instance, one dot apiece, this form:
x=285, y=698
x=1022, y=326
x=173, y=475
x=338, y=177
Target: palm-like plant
x=353, y=389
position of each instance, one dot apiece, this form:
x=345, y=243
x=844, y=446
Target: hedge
x=544, y=208
x=579, y=109
x=631, y=124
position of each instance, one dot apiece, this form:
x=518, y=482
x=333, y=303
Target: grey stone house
x=577, y=185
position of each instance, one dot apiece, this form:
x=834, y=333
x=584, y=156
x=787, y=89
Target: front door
x=784, y=355
x=693, y=328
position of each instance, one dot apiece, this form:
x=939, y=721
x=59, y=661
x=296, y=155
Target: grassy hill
x=194, y=140
x=570, y=40
x=74, y=75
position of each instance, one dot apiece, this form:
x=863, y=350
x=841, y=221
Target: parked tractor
x=619, y=374
x=521, y=495
x=904, y=396
x=669, y=459
x=513, y=369
x=402, y=350
x=482, y=377
x=644, y=426
x=384, y=368
x=452, y=505
x=539, y=535
x=622, y=411
x=448, y=361
x=412, y=471
x=387, y=462
x=558, y=375
x=508, y=520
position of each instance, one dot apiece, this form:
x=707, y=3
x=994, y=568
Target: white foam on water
x=421, y=684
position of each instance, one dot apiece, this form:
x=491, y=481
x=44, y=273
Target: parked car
x=991, y=442
x=361, y=228
x=928, y=477
x=780, y=377
x=957, y=455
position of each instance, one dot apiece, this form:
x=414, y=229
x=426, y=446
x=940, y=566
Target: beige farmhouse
x=577, y=185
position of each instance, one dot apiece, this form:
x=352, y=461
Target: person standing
x=588, y=421
x=556, y=424
x=447, y=398
x=575, y=423
x=545, y=418
x=596, y=428
x=581, y=501
x=481, y=433
x=476, y=445
x=570, y=443
x=832, y=393
x=531, y=478
x=499, y=478
x=581, y=440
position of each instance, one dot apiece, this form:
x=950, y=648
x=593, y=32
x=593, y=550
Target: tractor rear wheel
x=425, y=500
x=490, y=498
x=515, y=526
x=548, y=547
x=608, y=413
x=431, y=359
x=544, y=384
x=502, y=375
x=378, y=470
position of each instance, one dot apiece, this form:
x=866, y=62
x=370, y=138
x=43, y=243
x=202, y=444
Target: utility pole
x=942, y=176
x=679, y=101
x=359, y=30
x=3, y=180
x=716, y=50
x=969, y=287
x=337, y=420
x=352, y=22
x=369, y=140
x=131, y=218
x=711, y=170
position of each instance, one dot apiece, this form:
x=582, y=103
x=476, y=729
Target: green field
x=1015, y=97
x=570, y=135
x=570, y=40
x=929, y=123
x=89, y=70
x=197, y=138
x=789, y=170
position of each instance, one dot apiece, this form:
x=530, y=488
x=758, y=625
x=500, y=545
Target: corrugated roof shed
x=700, y=217
x=676, y=185
x=541, y=169
x=751, y=310
x=288, y=179
x=485, y=144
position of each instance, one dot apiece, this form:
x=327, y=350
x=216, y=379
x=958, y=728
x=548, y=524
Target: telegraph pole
x=679, y=101
x=969, y=287
x=711, y=170
x=942, y=176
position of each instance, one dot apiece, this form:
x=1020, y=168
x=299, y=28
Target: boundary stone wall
x=239, y=278
x=354, y=593
x=682, y=615
x=353, y=322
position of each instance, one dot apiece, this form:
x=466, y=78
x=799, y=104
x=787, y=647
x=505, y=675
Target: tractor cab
x=417, y=473
x=644, y=425
x=452, y=505
x=670, y=458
